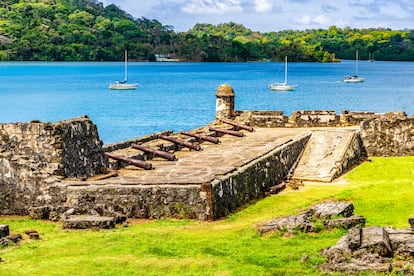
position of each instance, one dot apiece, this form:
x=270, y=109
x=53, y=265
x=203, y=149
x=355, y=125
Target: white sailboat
x=354, y=78
x=124, y=85
x=283, y=86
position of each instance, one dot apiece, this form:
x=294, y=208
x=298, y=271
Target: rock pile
x=79, y=218
x=331, y=214
x=363, y=250
x=6, y=238
x=372, y=249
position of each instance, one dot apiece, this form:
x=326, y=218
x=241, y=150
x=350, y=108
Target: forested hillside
x=85, y=30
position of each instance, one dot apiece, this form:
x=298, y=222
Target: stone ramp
x=325, y=155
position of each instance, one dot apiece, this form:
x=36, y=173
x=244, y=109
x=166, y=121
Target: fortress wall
x=206, y=201
x=388, y=136
x=82, y=149
x=353, y=155
x=34, y=155
x=140, y=201
x=315, y=118
x=263, y=118
x=251, y=181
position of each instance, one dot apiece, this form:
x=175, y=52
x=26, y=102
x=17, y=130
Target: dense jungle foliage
x=86, y=30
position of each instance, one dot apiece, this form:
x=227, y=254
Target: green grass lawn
x=381, y=190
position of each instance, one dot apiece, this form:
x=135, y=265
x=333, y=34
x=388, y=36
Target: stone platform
x=213, y=182
x=205, y=184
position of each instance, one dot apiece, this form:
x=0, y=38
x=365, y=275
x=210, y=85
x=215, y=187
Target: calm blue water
x=180, y=96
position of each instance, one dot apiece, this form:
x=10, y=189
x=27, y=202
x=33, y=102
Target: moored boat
x=124, y=85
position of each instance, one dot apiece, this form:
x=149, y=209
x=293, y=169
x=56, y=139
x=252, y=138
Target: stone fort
x=48, y=169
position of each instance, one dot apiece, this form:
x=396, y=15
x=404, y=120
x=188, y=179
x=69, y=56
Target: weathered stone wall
x=82, y=149
x=263, y=118
x=354, y=154
x=315, y=118
x=354, y=118
x=141, y=201
x=253, y=180
x=388, y=136
x=35, y=155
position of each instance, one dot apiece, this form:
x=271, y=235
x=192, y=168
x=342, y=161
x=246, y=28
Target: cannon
x=130, y=161
x=227, y=131
x=160, y=153
x=180, y=142
x=237, y=125
x=202, y=137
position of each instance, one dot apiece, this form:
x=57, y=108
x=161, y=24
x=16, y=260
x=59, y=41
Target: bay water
x=180, y=96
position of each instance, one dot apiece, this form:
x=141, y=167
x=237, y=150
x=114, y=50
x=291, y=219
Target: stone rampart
x=388, y=135
x=140, y=201
x=264, y=118
x=354, y=153
x=253, y=180
x=315, y=118
x=34, y=155
x=383, y=134
x=353, y=118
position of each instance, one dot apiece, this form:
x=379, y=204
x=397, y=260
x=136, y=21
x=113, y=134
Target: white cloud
x=319, y=19
x=212, y=6
x=322, y=20
x=273, y=15
x=394, y=10
x=263, y=6
x=305, y=20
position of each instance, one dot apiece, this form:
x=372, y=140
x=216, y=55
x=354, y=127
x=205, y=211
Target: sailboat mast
x=286, y=69
x=126, y=66
x=356, y=62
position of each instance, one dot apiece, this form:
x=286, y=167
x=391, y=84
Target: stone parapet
x=253, y=180
x=388, y=136
x=315, y=118
x=36, y=155
x=264, y=118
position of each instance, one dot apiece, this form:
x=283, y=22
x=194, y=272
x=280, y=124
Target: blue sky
x=275, y=15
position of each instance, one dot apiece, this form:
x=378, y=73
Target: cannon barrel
x=202, y=137
x=227, y=131
x=180, y=142
x=237, y=125
x=163, y=154
x=130, y=161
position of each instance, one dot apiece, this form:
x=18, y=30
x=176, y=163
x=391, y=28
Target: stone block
x=375, y=240
x=347, y=223
x=4, y=230
x=333, y=209
x=85, y=222
x=411, y=222
x=39, y=212
x=289, y=223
